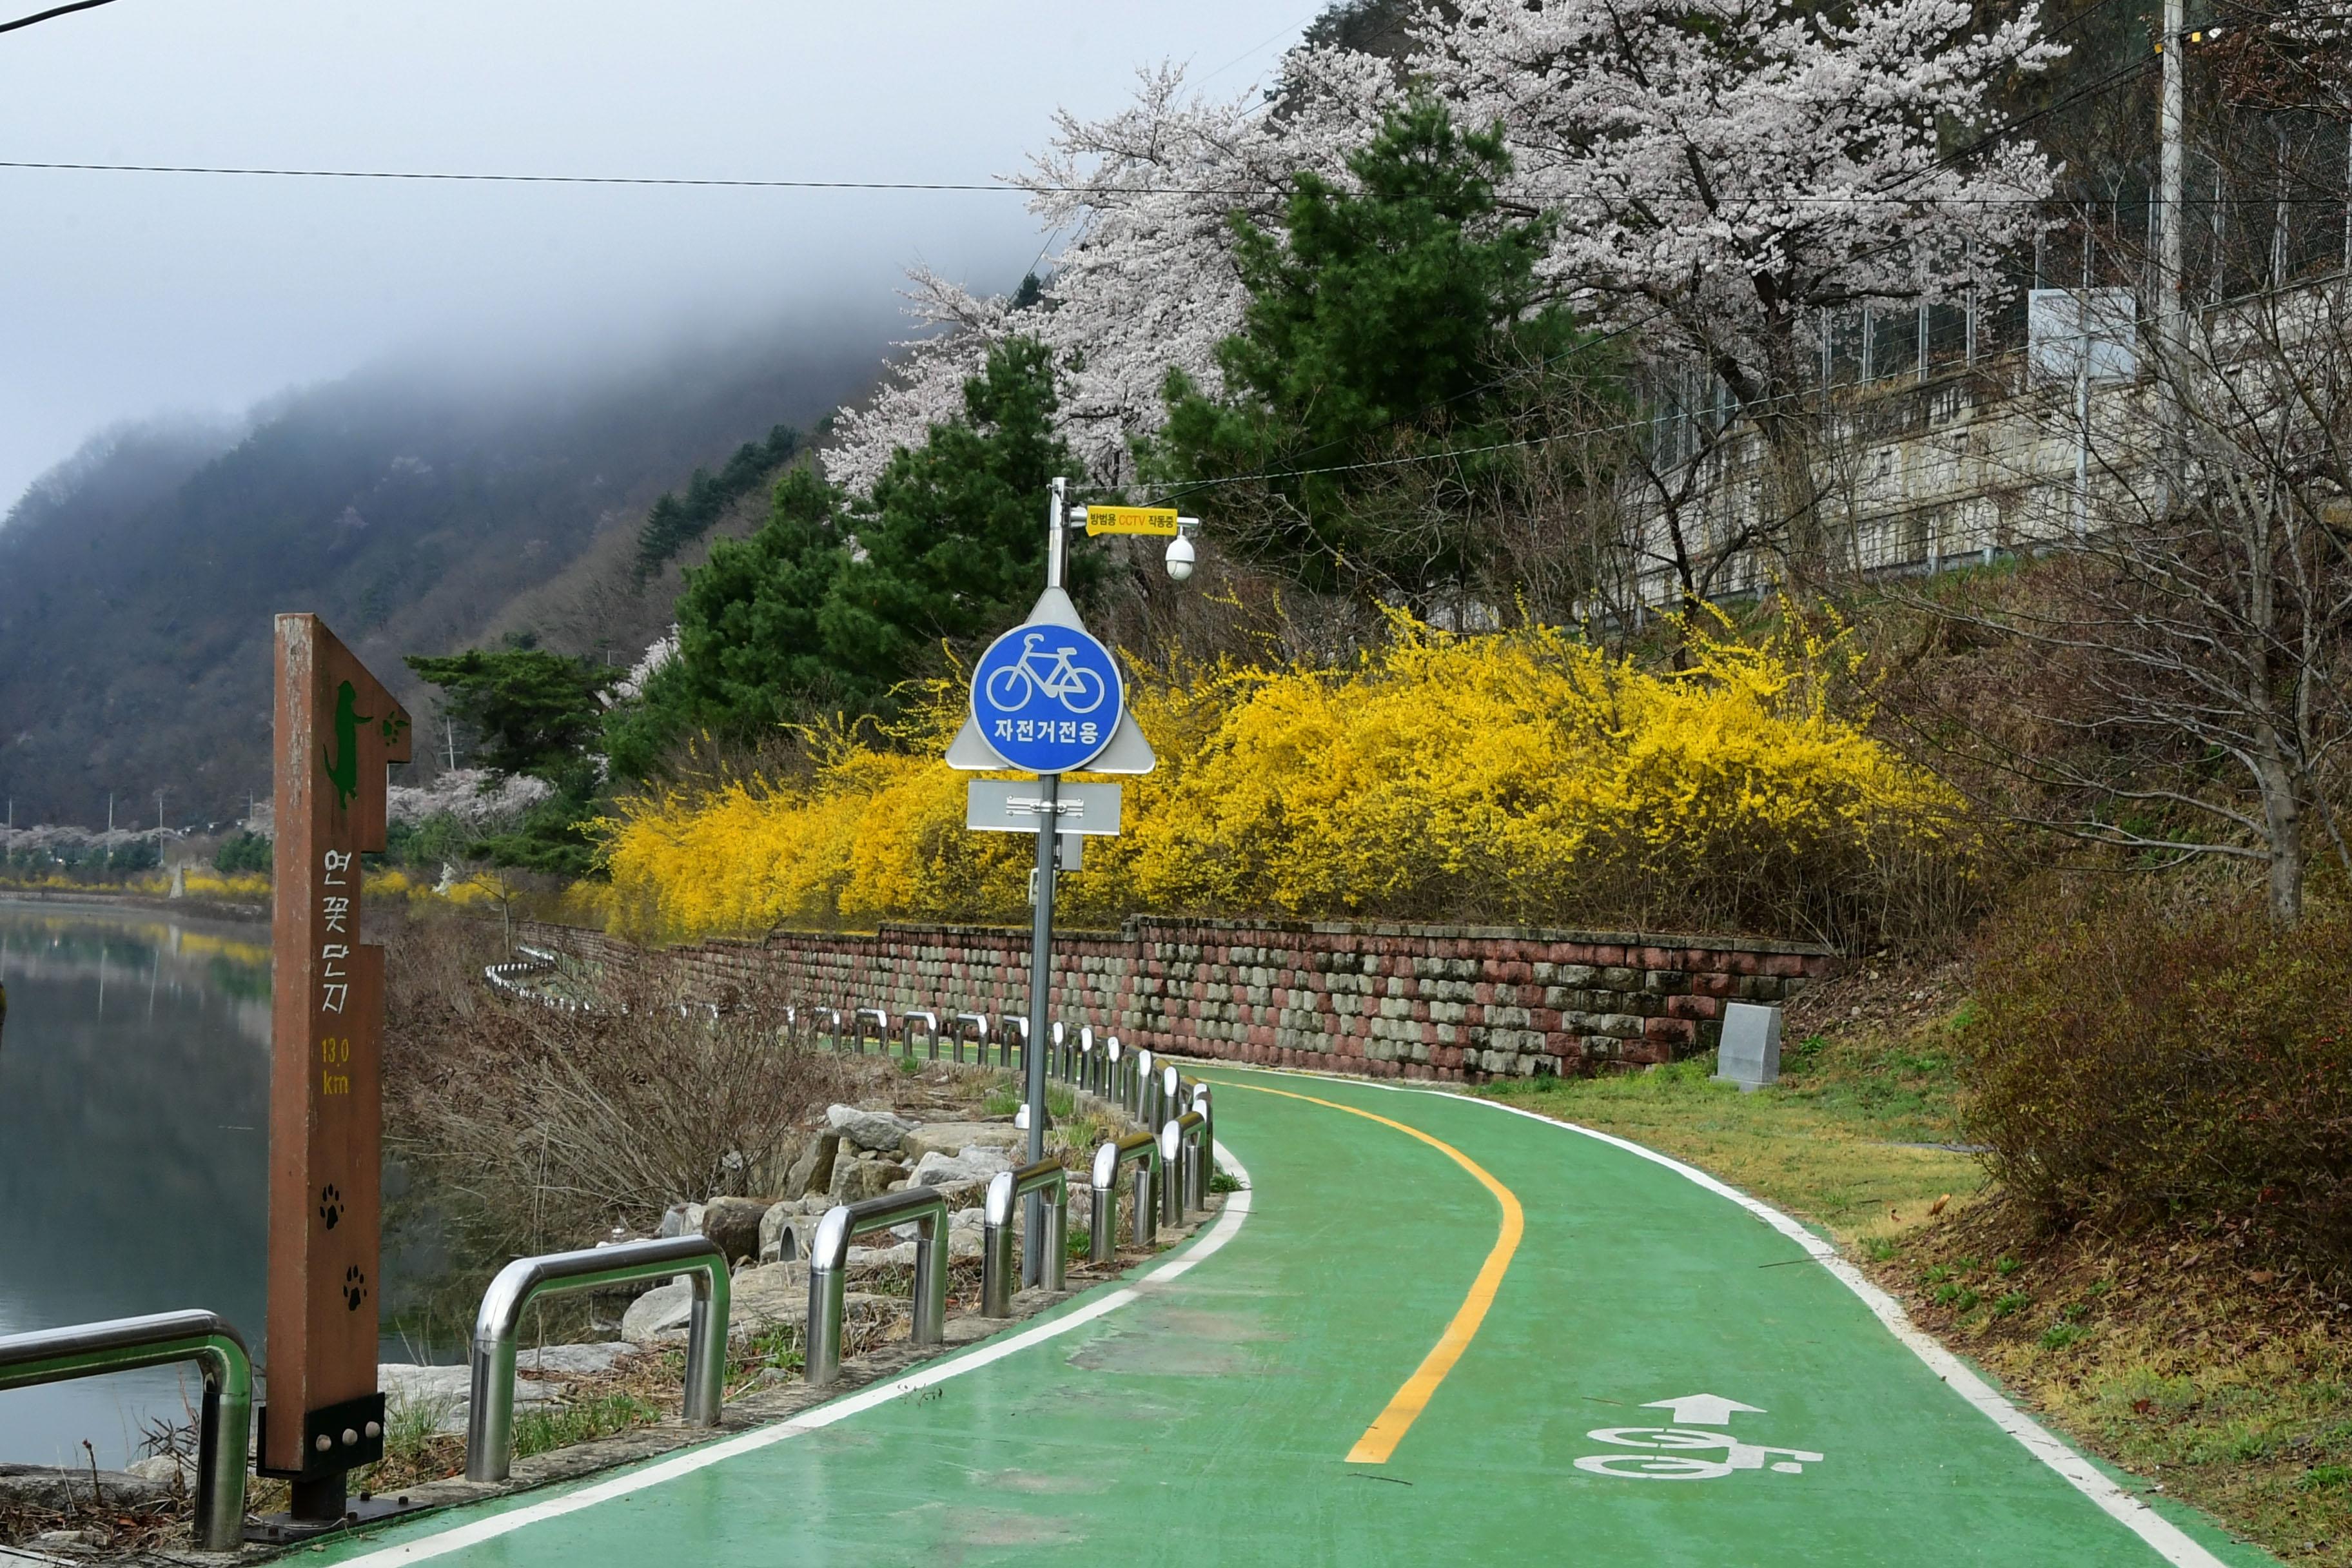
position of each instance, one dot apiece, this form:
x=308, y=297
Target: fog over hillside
x=419, y=505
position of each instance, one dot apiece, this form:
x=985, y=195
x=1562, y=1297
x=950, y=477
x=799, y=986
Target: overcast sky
x=124, y=296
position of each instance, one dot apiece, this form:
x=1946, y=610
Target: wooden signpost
x=337, y=728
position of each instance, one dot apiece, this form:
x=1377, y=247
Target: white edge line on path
x=2169, y=1541
x=1229, y=1223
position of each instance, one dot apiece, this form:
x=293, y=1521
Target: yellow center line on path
x=1381, y=1438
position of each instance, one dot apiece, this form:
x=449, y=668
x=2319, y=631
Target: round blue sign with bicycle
x=1048, y=697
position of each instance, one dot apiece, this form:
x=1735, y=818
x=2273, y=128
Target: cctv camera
x=1180, y=558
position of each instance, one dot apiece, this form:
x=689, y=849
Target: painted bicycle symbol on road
x=1047, y=673
x=1673, y=1454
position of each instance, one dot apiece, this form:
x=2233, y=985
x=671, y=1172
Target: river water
x=134, y=1145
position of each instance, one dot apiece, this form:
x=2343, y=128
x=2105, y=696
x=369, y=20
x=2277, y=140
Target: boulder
x=956, y=1194
x=877, y=1131
x=771, y=1293
x=572, y=1361
x=792, y=1147
x=952, y=1137
x=734, y=1224
x=163, y=1468
x=445, y=1393
x=657, y=1312
x=974, y=1162
x=902, y=1256
x=864, y=1178
x=756, y=1298
x=813, y=1172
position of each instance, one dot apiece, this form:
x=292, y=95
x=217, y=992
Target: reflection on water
x=133, y=1149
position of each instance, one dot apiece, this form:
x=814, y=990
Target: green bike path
x=1665, y=1376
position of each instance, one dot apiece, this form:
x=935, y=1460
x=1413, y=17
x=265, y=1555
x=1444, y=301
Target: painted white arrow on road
x=1702, y=1409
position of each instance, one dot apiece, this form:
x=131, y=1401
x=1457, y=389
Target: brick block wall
x=1391, y=1001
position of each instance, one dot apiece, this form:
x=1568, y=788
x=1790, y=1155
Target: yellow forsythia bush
x=1525, y=778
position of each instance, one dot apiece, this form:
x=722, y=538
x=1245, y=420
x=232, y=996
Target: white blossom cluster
x=459, y=793
x=658, y=652
x=1720, y=173
x=1147, y=282
x=1724, y=171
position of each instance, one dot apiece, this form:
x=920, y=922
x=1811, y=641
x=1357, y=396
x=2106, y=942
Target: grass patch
x=415, y=1448
x=1827, y=1143
x=559, y=1427
x=2167, y=1354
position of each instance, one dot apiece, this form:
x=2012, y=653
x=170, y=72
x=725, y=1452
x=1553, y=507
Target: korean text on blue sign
x=1049, y=699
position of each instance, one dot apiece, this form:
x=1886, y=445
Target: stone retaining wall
x=1442, y=1002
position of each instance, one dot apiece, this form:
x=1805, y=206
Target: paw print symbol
x=331, y=1205
x=355, y=1287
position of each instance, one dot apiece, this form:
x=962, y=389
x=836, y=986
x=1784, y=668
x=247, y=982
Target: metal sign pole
x=1041, y=993
x=1041, y=945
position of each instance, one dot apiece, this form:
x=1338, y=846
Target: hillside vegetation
x=412, y=511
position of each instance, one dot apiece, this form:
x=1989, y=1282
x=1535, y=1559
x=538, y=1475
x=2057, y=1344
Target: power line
x=461, y=177
x=1890, y=197
x=53, y=12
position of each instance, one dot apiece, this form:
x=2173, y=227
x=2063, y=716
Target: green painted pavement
x=1203, y=1419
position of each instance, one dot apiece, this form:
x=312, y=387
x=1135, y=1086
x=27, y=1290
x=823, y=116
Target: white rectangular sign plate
x=1013, y=806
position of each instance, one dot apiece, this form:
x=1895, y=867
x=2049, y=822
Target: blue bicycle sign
x=1048, y=697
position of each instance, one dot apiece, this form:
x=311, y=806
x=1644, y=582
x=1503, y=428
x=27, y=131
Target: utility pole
x=2172, y=336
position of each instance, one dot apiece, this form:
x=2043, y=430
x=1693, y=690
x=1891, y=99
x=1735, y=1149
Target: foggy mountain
x=418, y=509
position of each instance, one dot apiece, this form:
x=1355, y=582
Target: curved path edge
x=1227, y=1226
x=2167, y=1539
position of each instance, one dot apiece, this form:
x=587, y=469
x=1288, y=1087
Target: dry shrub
x=2133, y=1060
x=541, y=1127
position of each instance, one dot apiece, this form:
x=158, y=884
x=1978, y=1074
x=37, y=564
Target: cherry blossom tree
x=1725, y=172
x=1148, y=280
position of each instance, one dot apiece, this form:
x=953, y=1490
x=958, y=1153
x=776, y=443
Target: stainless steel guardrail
x=489, y=1423
x=930, y=1023
x=1180, y=1162
x=978, y=1024
x=1005, y=1190
x=223, y=1426
x=1171, y=1143
x=1012, y=1037
x=1141, y=1151
x=881, y=1029
x=829, y=1258
x=1137, y=1105
x=1208, y=1160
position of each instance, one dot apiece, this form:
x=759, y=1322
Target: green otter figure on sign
x=343, y=762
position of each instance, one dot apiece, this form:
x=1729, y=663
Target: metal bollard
x=1112, y=1068
x=1194, y=1181
x=224, y=1423
x=930, y=1023
x=1207, y=1107
x=881, y=1029
x=490, y=1419
x=1006, y=1189
x=1141, y=1151
x=978, y=1024
x=829, y=1256
x=1140, y=1107
x=1017, y=1028
x=1171, y=1174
